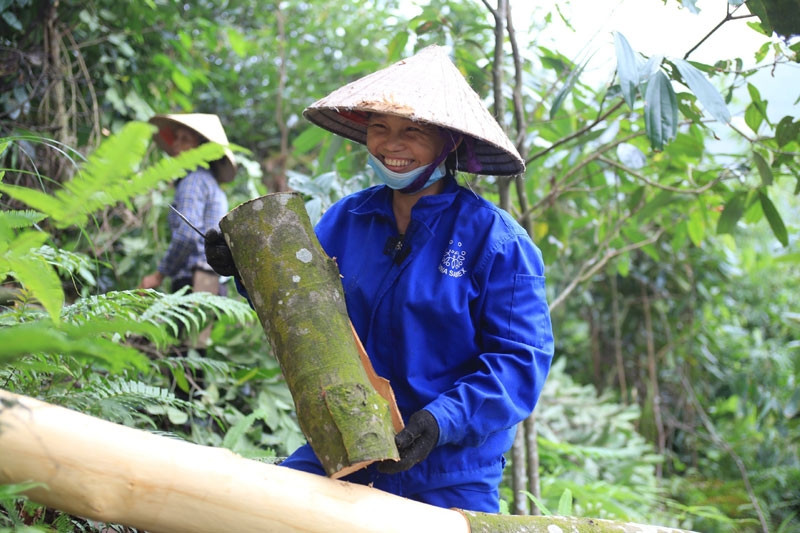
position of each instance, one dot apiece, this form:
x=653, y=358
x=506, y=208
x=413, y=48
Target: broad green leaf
x=756, y=7
x=15, y=490
x=627, y=68
x=753, y=117
x=12, y=20
x=661, y=111
x=696, y=227
x=733, y=211
x=240, y=428
x=707, y=94
x=43, y=336
x=307, y=140
x=567, y=88
x=763, y=169
x=38, y=200
x=762, y=52
x=182, y=82
x=624, y=264
x=774, y=218
x=397, y=46
x=759, y=103
x=112, y=95
x=237, y=42
x=565, y=503
x=650, y=67
x=41, y=280
x=786, y=131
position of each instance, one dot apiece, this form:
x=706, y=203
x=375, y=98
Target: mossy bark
x=496, y=523
x=297, y=293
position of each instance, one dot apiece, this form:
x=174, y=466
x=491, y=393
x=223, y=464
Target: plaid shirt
x=200, y=199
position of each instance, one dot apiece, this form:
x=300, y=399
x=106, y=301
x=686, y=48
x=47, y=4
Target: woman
x=445, y=290
x=198, y=197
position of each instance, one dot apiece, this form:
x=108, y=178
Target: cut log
x=107, y=472
x=297, y=293
x=111, y=473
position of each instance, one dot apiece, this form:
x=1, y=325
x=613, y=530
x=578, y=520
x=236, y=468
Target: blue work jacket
x=454, y=315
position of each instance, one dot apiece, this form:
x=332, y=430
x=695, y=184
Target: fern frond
x=182, y=308
x=69, y=263
x=177, y=310
x=119, y=400
x=205, y=364
x=20, y=219
x=110, y=176
x=33, y=272
x=172, y=168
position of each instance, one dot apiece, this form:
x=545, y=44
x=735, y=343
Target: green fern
x=110, y=176
x=20, y=219
x=191, y=311
x=68, y=263
x=119, y=400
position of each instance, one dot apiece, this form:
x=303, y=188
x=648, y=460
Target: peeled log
x=108, y=472
x=103, y=471
x=297, y=293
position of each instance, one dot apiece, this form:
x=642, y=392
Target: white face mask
x=398, y=180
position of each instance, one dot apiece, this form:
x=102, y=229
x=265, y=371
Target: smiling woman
x=446, y=291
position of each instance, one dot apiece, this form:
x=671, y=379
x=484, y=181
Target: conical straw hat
x=207, y=126
x=425, y=87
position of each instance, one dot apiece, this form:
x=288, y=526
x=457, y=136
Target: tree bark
x=111, y=473
x=532, y=446
x=518, y=472
x=297, y=293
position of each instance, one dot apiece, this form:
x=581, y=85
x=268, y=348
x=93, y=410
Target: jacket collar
x=378, y=201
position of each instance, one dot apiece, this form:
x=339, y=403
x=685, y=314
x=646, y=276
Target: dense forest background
x=664, y=199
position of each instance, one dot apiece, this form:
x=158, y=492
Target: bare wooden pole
x=103, y=471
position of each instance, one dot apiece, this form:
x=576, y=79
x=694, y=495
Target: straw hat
x=206, y=125
x=425, y=87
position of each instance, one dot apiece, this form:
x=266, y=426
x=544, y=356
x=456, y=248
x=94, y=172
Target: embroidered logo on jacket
x=453, y=261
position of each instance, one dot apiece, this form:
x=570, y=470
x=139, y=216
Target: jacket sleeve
x=516, y=342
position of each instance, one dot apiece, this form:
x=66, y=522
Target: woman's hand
x=415, y=442
x=152, y=281
x=218, y=254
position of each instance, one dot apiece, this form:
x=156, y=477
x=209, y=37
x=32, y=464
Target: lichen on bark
x=297, y=293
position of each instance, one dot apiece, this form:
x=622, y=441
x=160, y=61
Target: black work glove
x=218, y=254
x=414, y=442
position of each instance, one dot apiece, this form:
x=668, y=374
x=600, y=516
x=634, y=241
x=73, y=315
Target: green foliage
x=110, y=176
x=630, y=187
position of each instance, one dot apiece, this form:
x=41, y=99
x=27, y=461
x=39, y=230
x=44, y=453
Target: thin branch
x=575, y=134
x=728, y=17
x=642, y=178
x=593, y=265
x=708, y=424
x=492, y=10
x=519, y=118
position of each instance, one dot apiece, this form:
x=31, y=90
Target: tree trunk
x=532, y=446
x=297, y=293
x=111, y=473
x=518, y=473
